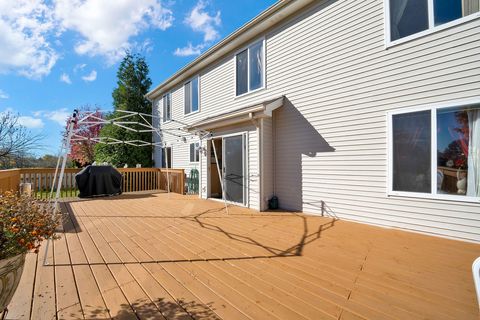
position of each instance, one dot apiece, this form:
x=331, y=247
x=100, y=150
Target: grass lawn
x=65, y=193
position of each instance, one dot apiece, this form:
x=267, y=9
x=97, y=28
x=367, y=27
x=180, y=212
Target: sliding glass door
x=234, y=168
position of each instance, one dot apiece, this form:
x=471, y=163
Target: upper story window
x=167, y=107
x=250, y=68
x=436, y=152
x=408, y=17
x=191, y=90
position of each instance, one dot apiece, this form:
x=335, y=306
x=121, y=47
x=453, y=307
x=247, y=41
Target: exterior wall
x=340, y=81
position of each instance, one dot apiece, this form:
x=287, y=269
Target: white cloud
x=90, y=77
x=60, y=116
x=107, y=26
x=25, y=26
x=3, y=95
x=29, y=28
x=30, y=122
x=189, y=50
x=65, y=78
x=201, y=21
x=79, y=67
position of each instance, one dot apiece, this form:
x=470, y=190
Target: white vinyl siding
x=339, y=80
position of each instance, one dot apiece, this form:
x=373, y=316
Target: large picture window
x=191, y=96
x=249, y=65
x=436, y=152
x=167, y=107
x=408, y=17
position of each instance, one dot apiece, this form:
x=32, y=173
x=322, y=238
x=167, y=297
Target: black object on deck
x=96, y=181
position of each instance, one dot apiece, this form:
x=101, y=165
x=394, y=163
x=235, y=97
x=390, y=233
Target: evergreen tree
x=132, y=85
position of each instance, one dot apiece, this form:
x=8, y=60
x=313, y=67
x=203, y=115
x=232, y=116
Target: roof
x=256, y=111
x=264, y=21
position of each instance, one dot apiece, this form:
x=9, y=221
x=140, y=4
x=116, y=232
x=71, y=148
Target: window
x=167, y=107
x=250, y=68
x=191, y=96
x=167, y=157
x=194, y=152
x=411, y=136
x=436, y=152
x=408, y=17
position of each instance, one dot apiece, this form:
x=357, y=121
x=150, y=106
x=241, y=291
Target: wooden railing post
x=182, y=182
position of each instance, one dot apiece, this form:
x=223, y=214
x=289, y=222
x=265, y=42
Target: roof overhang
x=250, y=113
x=269, y=18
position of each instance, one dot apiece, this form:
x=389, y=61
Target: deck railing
x=134, y=179
x=9, y=179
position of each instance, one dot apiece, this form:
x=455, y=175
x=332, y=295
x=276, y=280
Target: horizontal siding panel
x=371, y=212
x=379, y=199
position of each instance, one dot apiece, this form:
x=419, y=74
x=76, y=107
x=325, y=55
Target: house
x=365, y=110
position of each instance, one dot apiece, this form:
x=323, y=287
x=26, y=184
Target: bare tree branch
x=15, y=139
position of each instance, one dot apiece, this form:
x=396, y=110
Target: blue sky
x=62, y=54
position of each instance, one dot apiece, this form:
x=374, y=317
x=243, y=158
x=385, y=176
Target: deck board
x=154, y=256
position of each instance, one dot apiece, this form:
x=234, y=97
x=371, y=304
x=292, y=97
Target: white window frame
x=247, y=47
x=169, y=96
x=196, y=145
x=184, y=93
x=433, y=194
x=431, y=25
x=164, y=154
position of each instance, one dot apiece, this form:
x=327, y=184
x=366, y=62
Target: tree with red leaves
x=83, y=152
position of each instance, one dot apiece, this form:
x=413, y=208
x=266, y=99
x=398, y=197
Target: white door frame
x=246, y=182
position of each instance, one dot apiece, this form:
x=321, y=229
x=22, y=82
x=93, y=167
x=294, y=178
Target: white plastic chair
x=476, y=278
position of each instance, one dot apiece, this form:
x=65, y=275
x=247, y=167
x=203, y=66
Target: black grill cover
x=94, y=181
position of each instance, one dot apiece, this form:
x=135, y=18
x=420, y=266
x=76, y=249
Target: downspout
x=261, y=166
x=274, y=147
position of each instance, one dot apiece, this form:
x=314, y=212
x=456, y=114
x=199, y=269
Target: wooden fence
x=134, y=179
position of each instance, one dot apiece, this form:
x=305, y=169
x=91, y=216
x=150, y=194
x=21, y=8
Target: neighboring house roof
x=264, y=21
x=256, y=111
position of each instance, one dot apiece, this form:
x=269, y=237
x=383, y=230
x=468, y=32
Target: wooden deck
x=162, y=256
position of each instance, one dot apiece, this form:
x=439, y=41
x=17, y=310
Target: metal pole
x=56, y=171
x=71, y=127
x=168, y=170
x=220, y=176
x=64, y=160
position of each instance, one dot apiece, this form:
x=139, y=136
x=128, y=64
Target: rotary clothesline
x=87, y=119
x=84, y=120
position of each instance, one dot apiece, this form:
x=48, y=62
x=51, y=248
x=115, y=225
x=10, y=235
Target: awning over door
x=257, y=111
